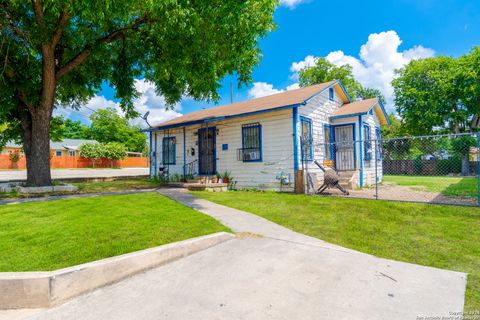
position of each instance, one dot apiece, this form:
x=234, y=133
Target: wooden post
x=299, y=182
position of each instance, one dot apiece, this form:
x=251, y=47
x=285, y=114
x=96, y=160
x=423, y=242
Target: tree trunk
x=465, y=165
x=36, y=144
x=35, y=121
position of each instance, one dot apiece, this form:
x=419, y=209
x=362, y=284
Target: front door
x=344, y=148
x=206, y=151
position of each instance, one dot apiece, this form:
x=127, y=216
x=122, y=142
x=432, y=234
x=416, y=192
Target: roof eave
x=331, y=85
x=190, y=123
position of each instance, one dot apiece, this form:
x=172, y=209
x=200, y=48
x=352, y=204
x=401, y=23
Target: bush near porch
x=444, y=237
x=50, y=235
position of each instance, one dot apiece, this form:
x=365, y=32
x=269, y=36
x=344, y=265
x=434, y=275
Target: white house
x=263, y=142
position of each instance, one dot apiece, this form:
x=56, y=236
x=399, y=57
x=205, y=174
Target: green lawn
x=448, y=186
x=50, y=235
x=445, y=237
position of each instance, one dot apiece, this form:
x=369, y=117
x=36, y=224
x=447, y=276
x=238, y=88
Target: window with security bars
x=251, y=143
x=328, y=143
x=367, y=142
x=168, y=152
x=307, y=147
x=379, y=146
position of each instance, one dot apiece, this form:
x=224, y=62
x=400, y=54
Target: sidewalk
x=21, y=175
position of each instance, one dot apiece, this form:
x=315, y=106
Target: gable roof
x=285, y=99
x=69, y=144
x=362, y=107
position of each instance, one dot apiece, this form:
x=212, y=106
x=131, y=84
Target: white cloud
x=147, y=101
x=150, y=101
x=293, y=86
x=262, y=89
x=291, y=3
x=309, y=61
x=378, y=59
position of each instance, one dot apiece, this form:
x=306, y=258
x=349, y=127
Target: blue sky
x=375, y=37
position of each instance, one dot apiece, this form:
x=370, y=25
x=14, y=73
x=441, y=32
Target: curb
x=45, y=289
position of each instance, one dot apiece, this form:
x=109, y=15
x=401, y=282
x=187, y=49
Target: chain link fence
x=442, y=169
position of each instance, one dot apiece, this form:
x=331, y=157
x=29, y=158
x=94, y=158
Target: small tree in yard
x=92, y=151
x=114, y=151
x=60, y=52
x=461, y=148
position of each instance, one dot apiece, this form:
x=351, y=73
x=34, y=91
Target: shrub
x=93, y=151
x=114, y=151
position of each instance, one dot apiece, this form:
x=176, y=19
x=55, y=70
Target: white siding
x=369, y=165
x=319, y=109
x=277, y=149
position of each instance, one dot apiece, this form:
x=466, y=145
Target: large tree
x=59, y=52
x=108, y=126
x=324, y=71
x=428, y=95
x=440, y=95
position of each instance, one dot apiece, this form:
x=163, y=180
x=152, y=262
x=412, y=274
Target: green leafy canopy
x=439, y=94
x=183, y=47
x=324, y=71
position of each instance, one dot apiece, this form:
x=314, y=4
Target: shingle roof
x=287, y=98
x=69, y=144
x=361, y=106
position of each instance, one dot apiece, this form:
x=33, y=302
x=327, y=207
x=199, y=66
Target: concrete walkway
x=21, y=175
x=279, y=275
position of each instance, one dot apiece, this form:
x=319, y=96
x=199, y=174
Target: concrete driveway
x=21, y=175
x=278, y=275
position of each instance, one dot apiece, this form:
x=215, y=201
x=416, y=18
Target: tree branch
x=15, y=29
x=38, y=9
x=87, y=50
x=62, y=22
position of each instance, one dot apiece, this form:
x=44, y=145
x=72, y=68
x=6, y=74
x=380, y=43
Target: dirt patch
x=403, y=193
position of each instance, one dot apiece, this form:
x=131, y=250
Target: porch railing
x=191, y=168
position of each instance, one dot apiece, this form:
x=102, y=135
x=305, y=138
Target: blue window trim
x=174, y=151
x=310, y=124
x=259, y=126
x=155, y=165
x=367, y=142
x=378, y=138
x=331, y=94
x=151, y=156
x=360, y=153
x=184, y=155
x=331, y=143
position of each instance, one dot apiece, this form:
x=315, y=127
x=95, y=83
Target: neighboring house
x=11, y=147
x=267, y=140
x=67, y=147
